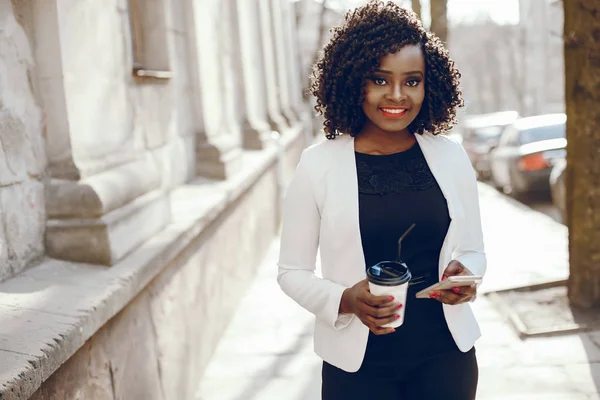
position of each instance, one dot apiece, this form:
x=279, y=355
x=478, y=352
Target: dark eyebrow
x=416, y=72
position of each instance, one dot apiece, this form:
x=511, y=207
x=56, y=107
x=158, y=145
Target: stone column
x=282, y=61
x=103, y=197
x=276, y=118
x=252, y=93
x=293, y=55
x=218, y=147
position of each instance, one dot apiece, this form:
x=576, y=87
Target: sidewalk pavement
x=266, y=352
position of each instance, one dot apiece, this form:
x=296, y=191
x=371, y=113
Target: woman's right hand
x=373, y=311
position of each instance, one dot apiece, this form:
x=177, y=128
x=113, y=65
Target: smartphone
x=449, y=283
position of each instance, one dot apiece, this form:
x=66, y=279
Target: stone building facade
x=144, y=149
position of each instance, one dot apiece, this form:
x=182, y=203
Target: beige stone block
x=100, y=194
x=177, y=161
x=22, y=222
x=218, y=158
x=177, y=22
x=131, y=347
x=86, y=376
x=294, y=144
x=175, y=328
x=28, y=332
x=256, y=135
x=15, y=364
x=108, y=239
x=21, y=147
x=83, y=296
x=153, y=111
x=16, y=158
x=99, y=103
x=183, y=122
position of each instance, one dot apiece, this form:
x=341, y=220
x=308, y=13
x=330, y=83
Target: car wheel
x=516, y=190
x=557, y=191
x=493, y=182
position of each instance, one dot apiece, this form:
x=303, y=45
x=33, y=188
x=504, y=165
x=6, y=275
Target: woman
x=388, y=91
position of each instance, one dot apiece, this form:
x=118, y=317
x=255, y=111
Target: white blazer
x=321, y=212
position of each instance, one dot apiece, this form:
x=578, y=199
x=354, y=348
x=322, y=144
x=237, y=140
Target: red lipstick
x=393, y=112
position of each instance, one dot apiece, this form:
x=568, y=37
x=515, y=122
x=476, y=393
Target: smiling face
x=395, y=93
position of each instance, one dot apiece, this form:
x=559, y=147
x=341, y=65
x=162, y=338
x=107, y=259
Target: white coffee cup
x=390, y=278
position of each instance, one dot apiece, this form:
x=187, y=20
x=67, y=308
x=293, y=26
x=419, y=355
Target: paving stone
x=595, y=338
x=540, y=396
x=560, y=350
x=497, y=357
x=521, y=381
x=497, y=333
x=224, y=389
x=232, y=366
x=484, y=311
x=294, y=365
x=295, y=388
x=586, y=377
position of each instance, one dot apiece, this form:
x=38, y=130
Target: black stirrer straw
x=400, y=240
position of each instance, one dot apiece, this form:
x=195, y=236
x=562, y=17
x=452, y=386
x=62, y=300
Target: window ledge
x=151, y=73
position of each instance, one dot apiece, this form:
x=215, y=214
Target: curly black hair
x=354, y=52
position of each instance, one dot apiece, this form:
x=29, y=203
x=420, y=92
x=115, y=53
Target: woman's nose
x=396, y=93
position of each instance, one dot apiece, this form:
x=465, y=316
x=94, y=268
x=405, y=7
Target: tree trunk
x=582, y=96
x=416, y=6
x=493, y=63
x=516, y=53
x=439, y=18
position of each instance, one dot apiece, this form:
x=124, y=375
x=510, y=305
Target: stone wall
x=144, y=153
x=160, y=344
x=22, y=158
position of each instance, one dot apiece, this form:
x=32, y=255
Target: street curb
x=517, y=323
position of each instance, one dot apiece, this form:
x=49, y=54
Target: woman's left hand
x=457, y=295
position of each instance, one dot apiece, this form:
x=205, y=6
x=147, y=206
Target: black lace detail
x=395, y=173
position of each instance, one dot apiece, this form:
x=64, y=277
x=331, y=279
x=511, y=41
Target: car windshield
x=541, y=133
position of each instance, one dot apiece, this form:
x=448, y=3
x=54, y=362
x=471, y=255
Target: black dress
x=396, y=191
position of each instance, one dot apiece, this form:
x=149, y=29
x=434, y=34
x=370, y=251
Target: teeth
x=393, y=111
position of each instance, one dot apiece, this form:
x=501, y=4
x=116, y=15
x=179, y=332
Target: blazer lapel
x=437, y=161
x=441, y=166
x=341, y=215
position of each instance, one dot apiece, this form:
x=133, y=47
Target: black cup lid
x=388, y=273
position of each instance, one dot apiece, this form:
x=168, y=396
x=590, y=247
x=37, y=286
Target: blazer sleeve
x=470, y=250
x=298, y=251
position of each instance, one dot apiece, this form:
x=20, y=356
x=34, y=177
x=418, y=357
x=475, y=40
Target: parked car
x=481, y=133
x=526, y=152
x=558, y=189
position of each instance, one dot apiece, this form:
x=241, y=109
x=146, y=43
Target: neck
x=374, y=140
